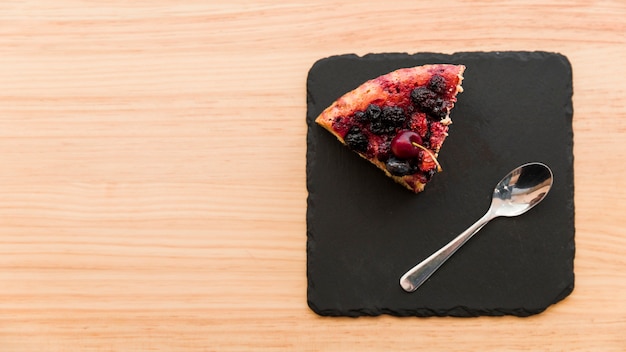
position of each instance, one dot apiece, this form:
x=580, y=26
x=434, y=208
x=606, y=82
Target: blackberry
x=380, y=128
x=377, y=128
x=356, y=140
x=437, y=84
x=438, y=110
x=373, y=112
x=428, y=102
x=360, y=116
x=386, y=120
x=393, y=116
x=423, y=97
x=398, y=167
x=374, y=116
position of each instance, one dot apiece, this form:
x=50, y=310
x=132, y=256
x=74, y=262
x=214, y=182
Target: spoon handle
x=415, y=277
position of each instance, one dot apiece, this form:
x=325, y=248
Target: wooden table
x=152, y=187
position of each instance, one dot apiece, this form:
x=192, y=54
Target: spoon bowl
x=519, y=191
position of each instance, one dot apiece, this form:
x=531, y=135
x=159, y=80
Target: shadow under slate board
x=364, y=230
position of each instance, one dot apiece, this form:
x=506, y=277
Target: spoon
x=515, y=194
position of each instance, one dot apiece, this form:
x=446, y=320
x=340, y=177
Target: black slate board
x=364, y=231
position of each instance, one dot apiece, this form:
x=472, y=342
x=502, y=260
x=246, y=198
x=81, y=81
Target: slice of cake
x=398, y=121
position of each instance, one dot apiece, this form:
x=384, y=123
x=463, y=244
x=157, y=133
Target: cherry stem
x=432, y=155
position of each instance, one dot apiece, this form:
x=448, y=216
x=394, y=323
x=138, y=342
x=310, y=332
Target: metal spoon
x=515, y=194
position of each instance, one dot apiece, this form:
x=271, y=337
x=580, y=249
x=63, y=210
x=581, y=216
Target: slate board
x=364, y=231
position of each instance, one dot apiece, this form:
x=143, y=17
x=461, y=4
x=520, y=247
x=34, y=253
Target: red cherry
x=403, y=146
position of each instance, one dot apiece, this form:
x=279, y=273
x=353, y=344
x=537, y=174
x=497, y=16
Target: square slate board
x=364, y=230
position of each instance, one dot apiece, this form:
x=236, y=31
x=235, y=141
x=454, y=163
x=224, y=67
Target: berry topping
x=398, y=167
x=377, y=127
x=356, y=140
x=361, y=116
x=384, y=151
x=373, y=112
x=428, y=163
x=439, y=109
x=393, y=116
x=436, y=135
x=404, y=145
x=427, y=101
x=398, y=121
x=423, y=97
x=386, y=120
x=437, y=84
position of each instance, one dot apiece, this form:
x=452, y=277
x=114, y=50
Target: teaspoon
x=515, y=194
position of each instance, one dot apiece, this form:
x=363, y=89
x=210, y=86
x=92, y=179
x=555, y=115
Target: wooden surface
x=152, y=178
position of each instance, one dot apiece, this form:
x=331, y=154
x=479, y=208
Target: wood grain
x=152, y=187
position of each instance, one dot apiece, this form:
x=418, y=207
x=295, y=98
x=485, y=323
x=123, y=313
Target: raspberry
x=427, y=162
x=419, y=123
x=437, y=134
x=384, y=151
